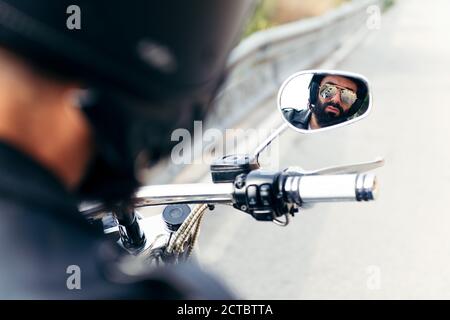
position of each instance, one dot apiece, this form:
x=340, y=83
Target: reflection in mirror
x=313, y=100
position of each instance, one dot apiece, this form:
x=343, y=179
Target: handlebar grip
x=329, y=188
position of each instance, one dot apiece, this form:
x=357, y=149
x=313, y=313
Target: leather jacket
x=298, y=118
x=42, y=234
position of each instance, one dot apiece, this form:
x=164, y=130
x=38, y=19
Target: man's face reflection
x=335, y=97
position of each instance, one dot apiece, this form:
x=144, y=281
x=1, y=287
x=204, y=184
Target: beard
x=327, y=118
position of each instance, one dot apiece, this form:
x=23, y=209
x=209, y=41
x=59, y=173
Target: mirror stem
x=268, y=140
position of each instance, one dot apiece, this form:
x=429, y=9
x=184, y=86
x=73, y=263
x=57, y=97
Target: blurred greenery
x=270, y=13
x=387, y=4
x=262, y=18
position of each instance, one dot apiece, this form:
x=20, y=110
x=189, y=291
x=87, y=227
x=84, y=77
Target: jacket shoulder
x=298, y=118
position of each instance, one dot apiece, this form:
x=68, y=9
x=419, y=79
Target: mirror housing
x=318, y=100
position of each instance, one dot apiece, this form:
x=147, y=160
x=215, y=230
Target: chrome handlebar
x=331, y=188
x=299, y=189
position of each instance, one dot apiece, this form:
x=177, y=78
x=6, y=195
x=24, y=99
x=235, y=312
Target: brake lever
x=343, y=169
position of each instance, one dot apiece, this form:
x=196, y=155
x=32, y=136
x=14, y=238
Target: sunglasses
x=328, y=91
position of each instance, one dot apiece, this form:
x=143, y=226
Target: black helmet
x=148, y=66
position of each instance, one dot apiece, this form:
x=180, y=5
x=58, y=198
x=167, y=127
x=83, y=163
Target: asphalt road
x=396, y=247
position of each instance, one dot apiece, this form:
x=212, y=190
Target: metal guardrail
x=260, y=63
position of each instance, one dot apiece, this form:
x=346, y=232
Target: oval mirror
x=317, y=100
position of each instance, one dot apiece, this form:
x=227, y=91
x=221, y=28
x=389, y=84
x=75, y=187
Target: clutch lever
x=343, y=169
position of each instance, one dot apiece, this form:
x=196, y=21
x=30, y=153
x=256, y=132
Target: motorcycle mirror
x=318, y=100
